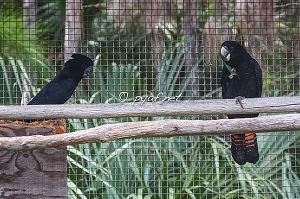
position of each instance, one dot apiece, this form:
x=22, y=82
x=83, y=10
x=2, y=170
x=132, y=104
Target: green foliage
x=184, y=167
x=51, y=23
x=107, y=83
x=15, y=80
x=20, y=55
x=173, y=77
x=15, y=41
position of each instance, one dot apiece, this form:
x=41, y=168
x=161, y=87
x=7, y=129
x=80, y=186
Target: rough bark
x=157, y=49
x=29, y=13
x=216, y=30
x=73, y=27
x=153, y=15
x=156, y=15
x=190, y=27
x=296, y=37
x=257, y=24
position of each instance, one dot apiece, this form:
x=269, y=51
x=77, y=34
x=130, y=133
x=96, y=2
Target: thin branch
x=140, y=109
x=163, y=128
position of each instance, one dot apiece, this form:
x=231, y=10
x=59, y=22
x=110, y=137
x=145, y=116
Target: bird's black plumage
x=61, y=88
x=246, y=81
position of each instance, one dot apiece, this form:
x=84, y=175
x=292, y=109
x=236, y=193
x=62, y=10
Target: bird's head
x=80, y=64
x=85, y=63
x=232, y=51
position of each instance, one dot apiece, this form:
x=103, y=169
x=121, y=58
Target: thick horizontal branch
x=139, y=109
x=163, y=128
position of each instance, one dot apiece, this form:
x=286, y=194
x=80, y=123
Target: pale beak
x=88, y=71
x=225, y=53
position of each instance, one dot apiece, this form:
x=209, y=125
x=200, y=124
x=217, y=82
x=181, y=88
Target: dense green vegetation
x=179, y=167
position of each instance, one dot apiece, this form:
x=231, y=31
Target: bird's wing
x=224, y=82
x=55, y=92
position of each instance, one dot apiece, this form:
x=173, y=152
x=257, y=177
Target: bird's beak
x=225, y=53
x=88, y=71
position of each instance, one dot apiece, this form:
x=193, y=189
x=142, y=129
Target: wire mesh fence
x=157, y=48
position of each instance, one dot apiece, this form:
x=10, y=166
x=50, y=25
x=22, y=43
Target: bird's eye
x=231, y=48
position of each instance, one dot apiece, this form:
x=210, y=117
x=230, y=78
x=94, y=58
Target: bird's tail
x=251, y=148
x=237, y=148
x=244, y=148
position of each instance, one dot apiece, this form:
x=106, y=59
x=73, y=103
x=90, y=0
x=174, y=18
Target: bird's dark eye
x=231, y=48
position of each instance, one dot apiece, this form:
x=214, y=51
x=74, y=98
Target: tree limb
x=163, y=128
x=139, y=109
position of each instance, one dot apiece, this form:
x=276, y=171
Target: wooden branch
x=163, y=128
x=139, y=109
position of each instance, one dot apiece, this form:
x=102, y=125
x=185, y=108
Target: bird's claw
x=238, y=100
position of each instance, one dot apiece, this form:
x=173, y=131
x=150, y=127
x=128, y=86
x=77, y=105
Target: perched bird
x=241, y=78
x=61, y=88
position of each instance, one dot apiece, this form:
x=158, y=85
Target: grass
x=16, y=79
x=183, y=167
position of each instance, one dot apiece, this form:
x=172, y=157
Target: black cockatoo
x=241, y=78
x=61, y=88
